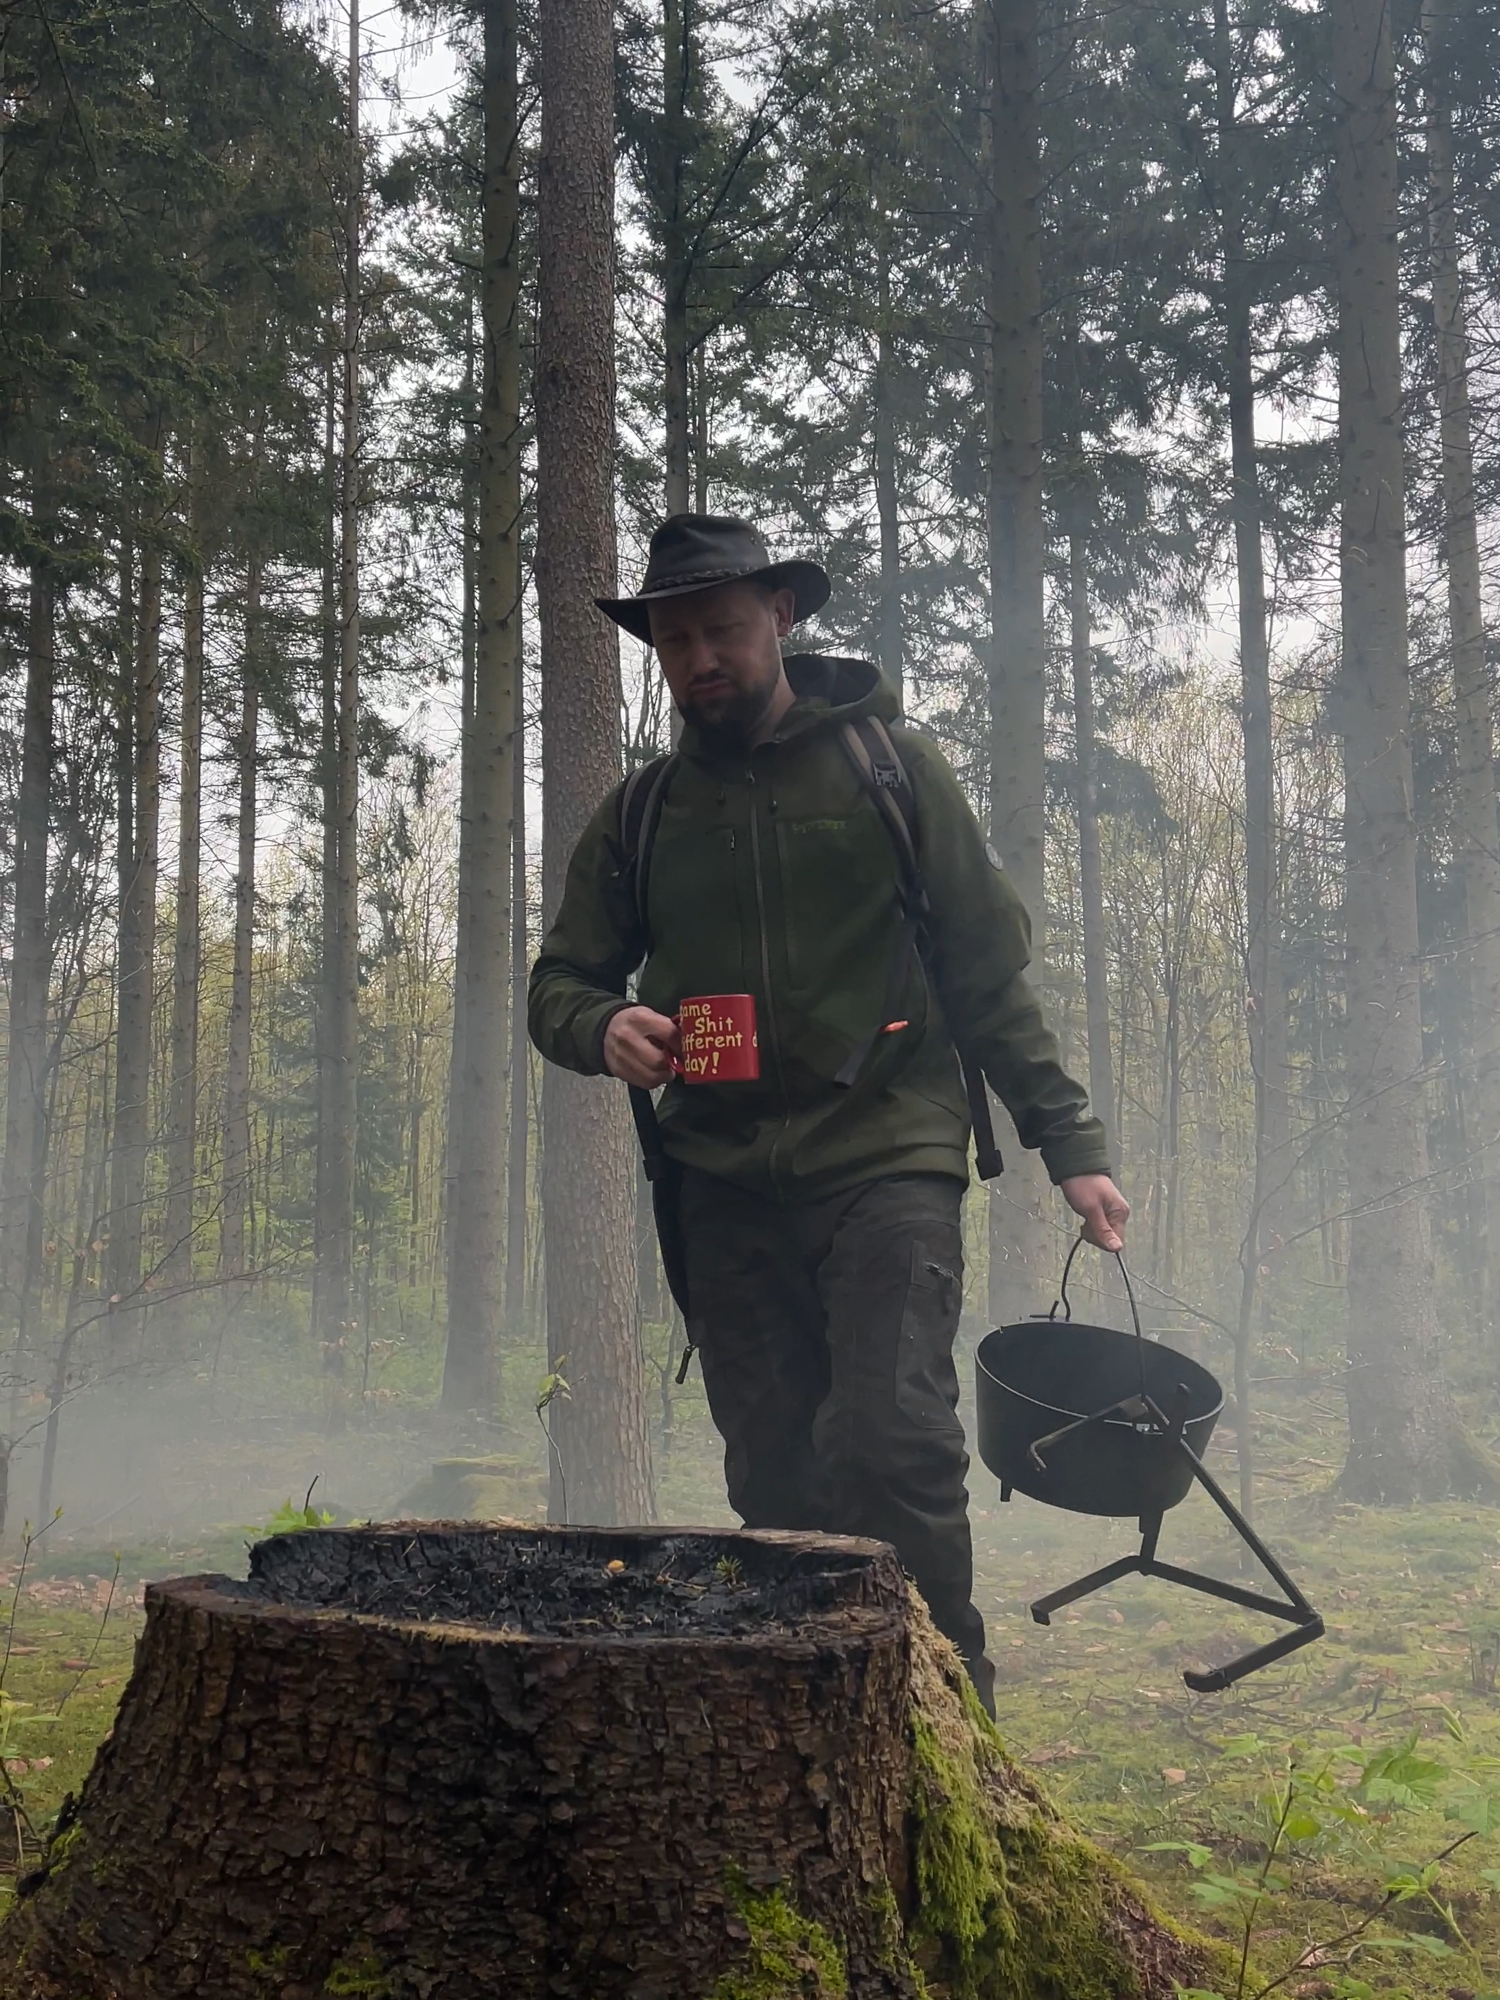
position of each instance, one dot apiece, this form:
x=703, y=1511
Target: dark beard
x=735, y=723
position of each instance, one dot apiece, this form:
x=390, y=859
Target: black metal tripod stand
x=1307, y=1625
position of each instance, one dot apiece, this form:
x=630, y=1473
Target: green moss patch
x=1011, y=1904
x=788, y=1956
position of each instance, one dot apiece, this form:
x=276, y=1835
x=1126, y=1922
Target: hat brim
x=807, y=581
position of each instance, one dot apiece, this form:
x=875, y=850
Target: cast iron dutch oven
x=1037, y=1379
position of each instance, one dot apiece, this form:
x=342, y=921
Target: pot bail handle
x=1135, y=1320
x=1066, y=1303
x=1062, y=1298
x=1135, y=1316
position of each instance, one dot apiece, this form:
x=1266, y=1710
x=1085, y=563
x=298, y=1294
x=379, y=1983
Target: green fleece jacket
x=774, y=874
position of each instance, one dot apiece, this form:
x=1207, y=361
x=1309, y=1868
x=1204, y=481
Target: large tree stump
x=563, y=1764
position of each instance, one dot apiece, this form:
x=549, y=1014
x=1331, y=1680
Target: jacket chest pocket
x=694, y=911
x=839, y=902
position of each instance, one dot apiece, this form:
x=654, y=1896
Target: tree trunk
x=339, y=1134
x=237, y=1163
x=1477, y=831
x=25, y=1163
x=454, y=1145
x=328, y=793
x=1398, y=1411
x=1265, y=989
x=603, y=1450
x=182, y=1082
x=1021, y=1251
x=477, y=1284
x=887, y=487
x=1090, y=858
x=622, y=1767
x=136, y=952
x=520, y=1048
x=676, y=271
x=703, y=405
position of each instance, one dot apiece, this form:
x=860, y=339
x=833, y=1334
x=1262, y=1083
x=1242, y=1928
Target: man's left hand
x=1104, y=1209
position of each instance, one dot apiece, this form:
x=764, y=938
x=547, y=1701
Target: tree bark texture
x=25, y=1162
x=677, y=57
x=465, y=791
x=1021, y=1249
x=1090, y=858
x=602, y=1454
x=182, y=1079
x=136, y=948
x=1399, y=1418
x=1478, y=836
x=887, y=480
x=237, y=1165
x=339, y=1124
x=373, y=1769
x=328, y=793
x=1265, y=986
x=519, y=1127
x=476, y=1293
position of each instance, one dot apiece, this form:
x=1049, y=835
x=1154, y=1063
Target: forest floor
x=1391, y=1724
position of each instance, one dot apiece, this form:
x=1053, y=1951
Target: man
x=819, y=1205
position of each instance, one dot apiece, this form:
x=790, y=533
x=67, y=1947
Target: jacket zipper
x=765, y=972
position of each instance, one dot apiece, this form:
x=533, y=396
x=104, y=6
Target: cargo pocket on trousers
x=926, y=1379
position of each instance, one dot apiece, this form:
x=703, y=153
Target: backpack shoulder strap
x=868, y=745
x=642, y=797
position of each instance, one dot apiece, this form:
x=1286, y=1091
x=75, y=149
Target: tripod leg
x=1096, y=1579
x=1219, y=1678
x=1298, y=1605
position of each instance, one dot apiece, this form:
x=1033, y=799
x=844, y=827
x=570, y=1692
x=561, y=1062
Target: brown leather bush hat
x=692, y=552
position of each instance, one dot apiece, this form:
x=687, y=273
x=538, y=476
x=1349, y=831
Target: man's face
x=721, y=653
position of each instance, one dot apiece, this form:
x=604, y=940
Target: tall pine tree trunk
x=1090, y=859
x=1480, y=843
x=477, y=1284
x=677, y=56
x=339, y=1125
x=887, y=487
x=1265, y=991
x=1398, y=1415
x=520, y=1059
x=453, y=1148
x=182, y=1082
x=237, y=1165
x=140, y=771
x=25, y=1162
x=1021, y=1251
x=328, y=796
x=702, y=425
x=603, y=1449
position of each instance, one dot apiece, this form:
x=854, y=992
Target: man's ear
x=784, y=611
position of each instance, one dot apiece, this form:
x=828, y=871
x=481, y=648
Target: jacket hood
x=827, y=689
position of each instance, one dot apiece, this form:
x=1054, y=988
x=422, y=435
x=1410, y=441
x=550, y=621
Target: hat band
x=649, y=589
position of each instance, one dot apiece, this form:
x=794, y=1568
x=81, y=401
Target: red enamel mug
x=719, y=1042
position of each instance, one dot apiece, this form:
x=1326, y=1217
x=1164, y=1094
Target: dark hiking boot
x=981, y=1671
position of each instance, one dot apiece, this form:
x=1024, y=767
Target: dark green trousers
x=826, y=1333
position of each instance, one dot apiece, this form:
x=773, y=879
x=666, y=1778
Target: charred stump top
x=588, y=1584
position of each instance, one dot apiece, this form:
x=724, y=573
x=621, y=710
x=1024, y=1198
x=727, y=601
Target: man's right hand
x=639, y=1045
